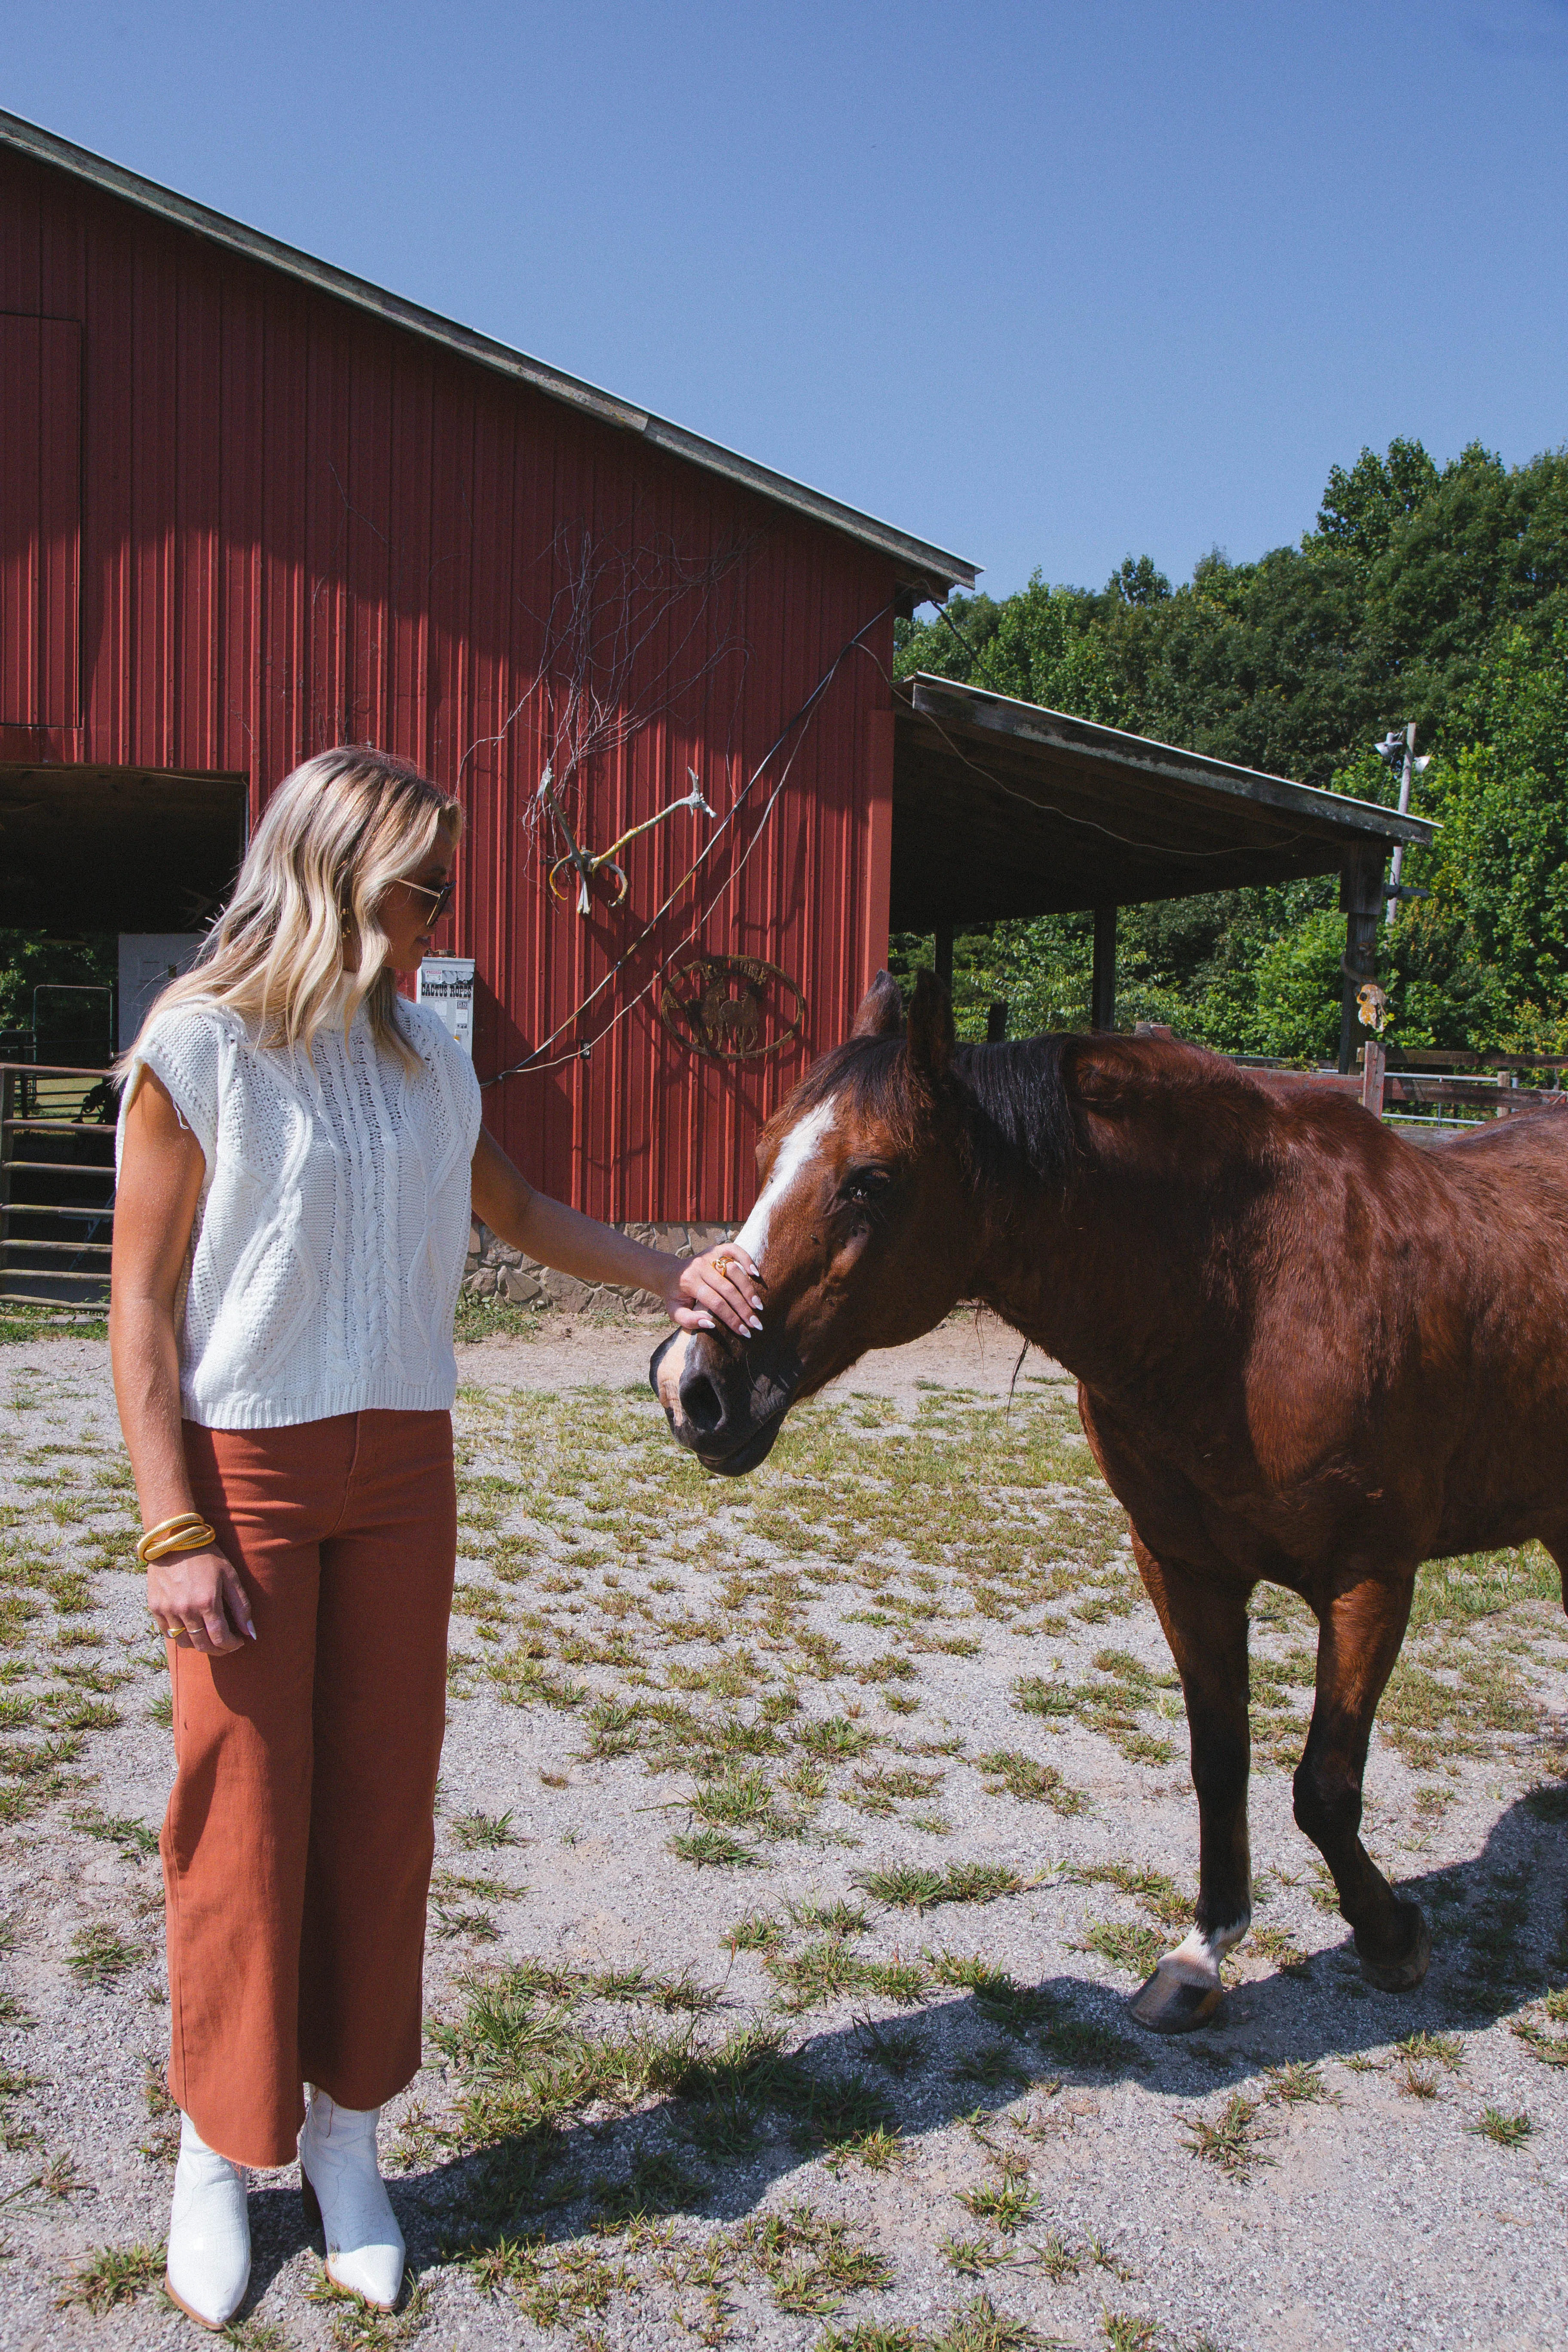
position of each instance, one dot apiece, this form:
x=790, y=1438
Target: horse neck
x=1121, y=1271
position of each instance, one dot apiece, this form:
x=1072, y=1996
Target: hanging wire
x=801, y=719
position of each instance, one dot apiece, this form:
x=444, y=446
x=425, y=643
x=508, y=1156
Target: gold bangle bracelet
x=175, y=1526
x=195, y=1539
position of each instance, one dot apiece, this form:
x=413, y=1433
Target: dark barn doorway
x=108, y=878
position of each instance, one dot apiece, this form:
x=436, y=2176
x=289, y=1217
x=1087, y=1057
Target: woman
x=299, y=1150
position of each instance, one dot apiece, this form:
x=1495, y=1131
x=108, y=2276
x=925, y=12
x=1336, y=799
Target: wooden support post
x=1373, y=1069
x=996, y=1021
x=1361, y=899
x=1102, y=1001
x=944, y=957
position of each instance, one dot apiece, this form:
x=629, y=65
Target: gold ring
x=722, y=1265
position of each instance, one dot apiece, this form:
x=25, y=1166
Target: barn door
x=40, y=521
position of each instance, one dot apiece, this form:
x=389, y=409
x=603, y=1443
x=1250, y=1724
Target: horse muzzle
x=724, y=1401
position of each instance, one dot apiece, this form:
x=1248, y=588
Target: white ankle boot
x=209, y=2233
x=343, y=2188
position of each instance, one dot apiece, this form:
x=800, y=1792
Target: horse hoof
x=1404, y=1974
x=1173, y=2003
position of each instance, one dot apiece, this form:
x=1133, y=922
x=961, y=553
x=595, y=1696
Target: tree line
x=1424, y=592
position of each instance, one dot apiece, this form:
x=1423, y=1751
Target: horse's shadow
x=1500, y=1931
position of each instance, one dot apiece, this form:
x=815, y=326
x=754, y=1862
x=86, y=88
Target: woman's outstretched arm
x=719, y=1283
x=161, y=1170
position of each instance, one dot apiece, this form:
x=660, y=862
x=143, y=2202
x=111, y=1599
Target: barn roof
x=1005, y=808
x=920, y=566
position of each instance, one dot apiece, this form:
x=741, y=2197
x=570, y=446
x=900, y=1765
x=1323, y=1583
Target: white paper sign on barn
x=446, y=986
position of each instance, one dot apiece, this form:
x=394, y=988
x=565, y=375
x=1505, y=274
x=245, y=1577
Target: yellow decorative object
x=170, y=1527
x=186, y=1538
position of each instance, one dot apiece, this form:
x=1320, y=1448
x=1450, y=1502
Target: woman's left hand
x=723, y=1286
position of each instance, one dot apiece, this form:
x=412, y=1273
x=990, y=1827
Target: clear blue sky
x=1047, y=284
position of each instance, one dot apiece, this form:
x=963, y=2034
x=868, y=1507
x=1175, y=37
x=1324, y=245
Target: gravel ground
x=865, y=1618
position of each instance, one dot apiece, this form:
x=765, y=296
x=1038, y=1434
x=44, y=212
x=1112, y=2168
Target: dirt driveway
x=800, y=1838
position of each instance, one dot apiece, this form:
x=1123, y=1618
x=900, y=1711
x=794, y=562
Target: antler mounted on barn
x=586, y=865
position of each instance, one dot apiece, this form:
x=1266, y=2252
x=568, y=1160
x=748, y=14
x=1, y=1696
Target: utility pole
x=1400, y=746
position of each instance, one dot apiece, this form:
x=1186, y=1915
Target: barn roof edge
x=922, y=565
x=935, y=698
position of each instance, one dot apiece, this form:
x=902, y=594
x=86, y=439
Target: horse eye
x=868, y=1184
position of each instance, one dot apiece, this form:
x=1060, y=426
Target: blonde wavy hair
x=337, y=832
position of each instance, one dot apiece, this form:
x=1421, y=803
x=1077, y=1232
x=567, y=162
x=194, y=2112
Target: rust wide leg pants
x=298, y=1842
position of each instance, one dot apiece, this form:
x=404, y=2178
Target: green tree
x=1484, y=961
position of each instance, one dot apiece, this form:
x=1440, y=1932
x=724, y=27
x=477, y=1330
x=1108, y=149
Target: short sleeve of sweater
x=183, y=1048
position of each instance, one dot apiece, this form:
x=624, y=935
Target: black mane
x=1021, y=1119
x=1011, y=1099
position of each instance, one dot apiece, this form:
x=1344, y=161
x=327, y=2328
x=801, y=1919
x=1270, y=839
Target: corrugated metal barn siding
x=299, y=527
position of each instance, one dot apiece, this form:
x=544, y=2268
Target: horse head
x=859, y=1232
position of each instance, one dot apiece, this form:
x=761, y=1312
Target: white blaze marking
x=670, y=1366
x=1200, y=1956
x=799, y=1147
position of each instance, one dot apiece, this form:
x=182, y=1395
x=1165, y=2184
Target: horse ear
x=881, y=1012
x=930, y=1026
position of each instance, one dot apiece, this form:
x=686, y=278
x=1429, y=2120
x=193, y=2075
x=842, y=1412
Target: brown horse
x=1307, y=1351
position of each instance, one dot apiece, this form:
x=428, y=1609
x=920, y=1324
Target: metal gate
x=56, y=1184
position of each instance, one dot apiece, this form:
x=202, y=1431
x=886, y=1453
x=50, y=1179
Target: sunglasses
x=440, y=899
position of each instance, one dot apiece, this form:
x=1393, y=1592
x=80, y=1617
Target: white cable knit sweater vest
x=329, y=1241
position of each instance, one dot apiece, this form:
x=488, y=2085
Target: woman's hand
x=197, y=1597
x=720, y=1285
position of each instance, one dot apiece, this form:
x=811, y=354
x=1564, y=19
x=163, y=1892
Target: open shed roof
x=922, y=568
x=1004, y=808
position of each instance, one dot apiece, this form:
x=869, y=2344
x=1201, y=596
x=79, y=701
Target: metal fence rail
x=56, y=1184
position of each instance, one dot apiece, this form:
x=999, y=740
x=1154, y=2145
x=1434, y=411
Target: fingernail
x=756, y=1322
x=250, y=1629
x=707, y=1322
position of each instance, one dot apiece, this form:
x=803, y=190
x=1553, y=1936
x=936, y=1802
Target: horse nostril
x=702, y=1404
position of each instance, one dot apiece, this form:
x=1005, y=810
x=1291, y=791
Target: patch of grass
x=899, y=2048
x=1129, y=2331
x=820, y=1970
x=809, y=2263
x=1552, y=2049
x=835, y=1738
x=1444, y=2050
x=991, y=2066
x=758, y=1931
x=1277, y=1945
x=1011, y=1773
x=1503, y=2131
x=915, y=1888
x=100, y=1954
x=1296, y=2083
x=123, y=1830
x=1006, y=2204
x=1054, y=1700
x=713, y=1850
x=1230, y=2140
x=877, y=1791
x=971, y=2256
x=1135, y=1949
x=839, y=1917
x=112, y=2275
x=896, y=1980
x=1159, y=1893
x=979, y=2326
x=474, y=1831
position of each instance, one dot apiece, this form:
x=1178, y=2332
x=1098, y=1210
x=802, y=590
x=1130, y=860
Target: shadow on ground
x=730, y=2128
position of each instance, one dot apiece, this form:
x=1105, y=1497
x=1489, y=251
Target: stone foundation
x=496, y=1269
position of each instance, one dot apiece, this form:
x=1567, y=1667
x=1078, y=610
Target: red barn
x=251, y=507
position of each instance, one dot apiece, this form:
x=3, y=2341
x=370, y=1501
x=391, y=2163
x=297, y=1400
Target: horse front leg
x=1360, y=1629
x=1205, y=1624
